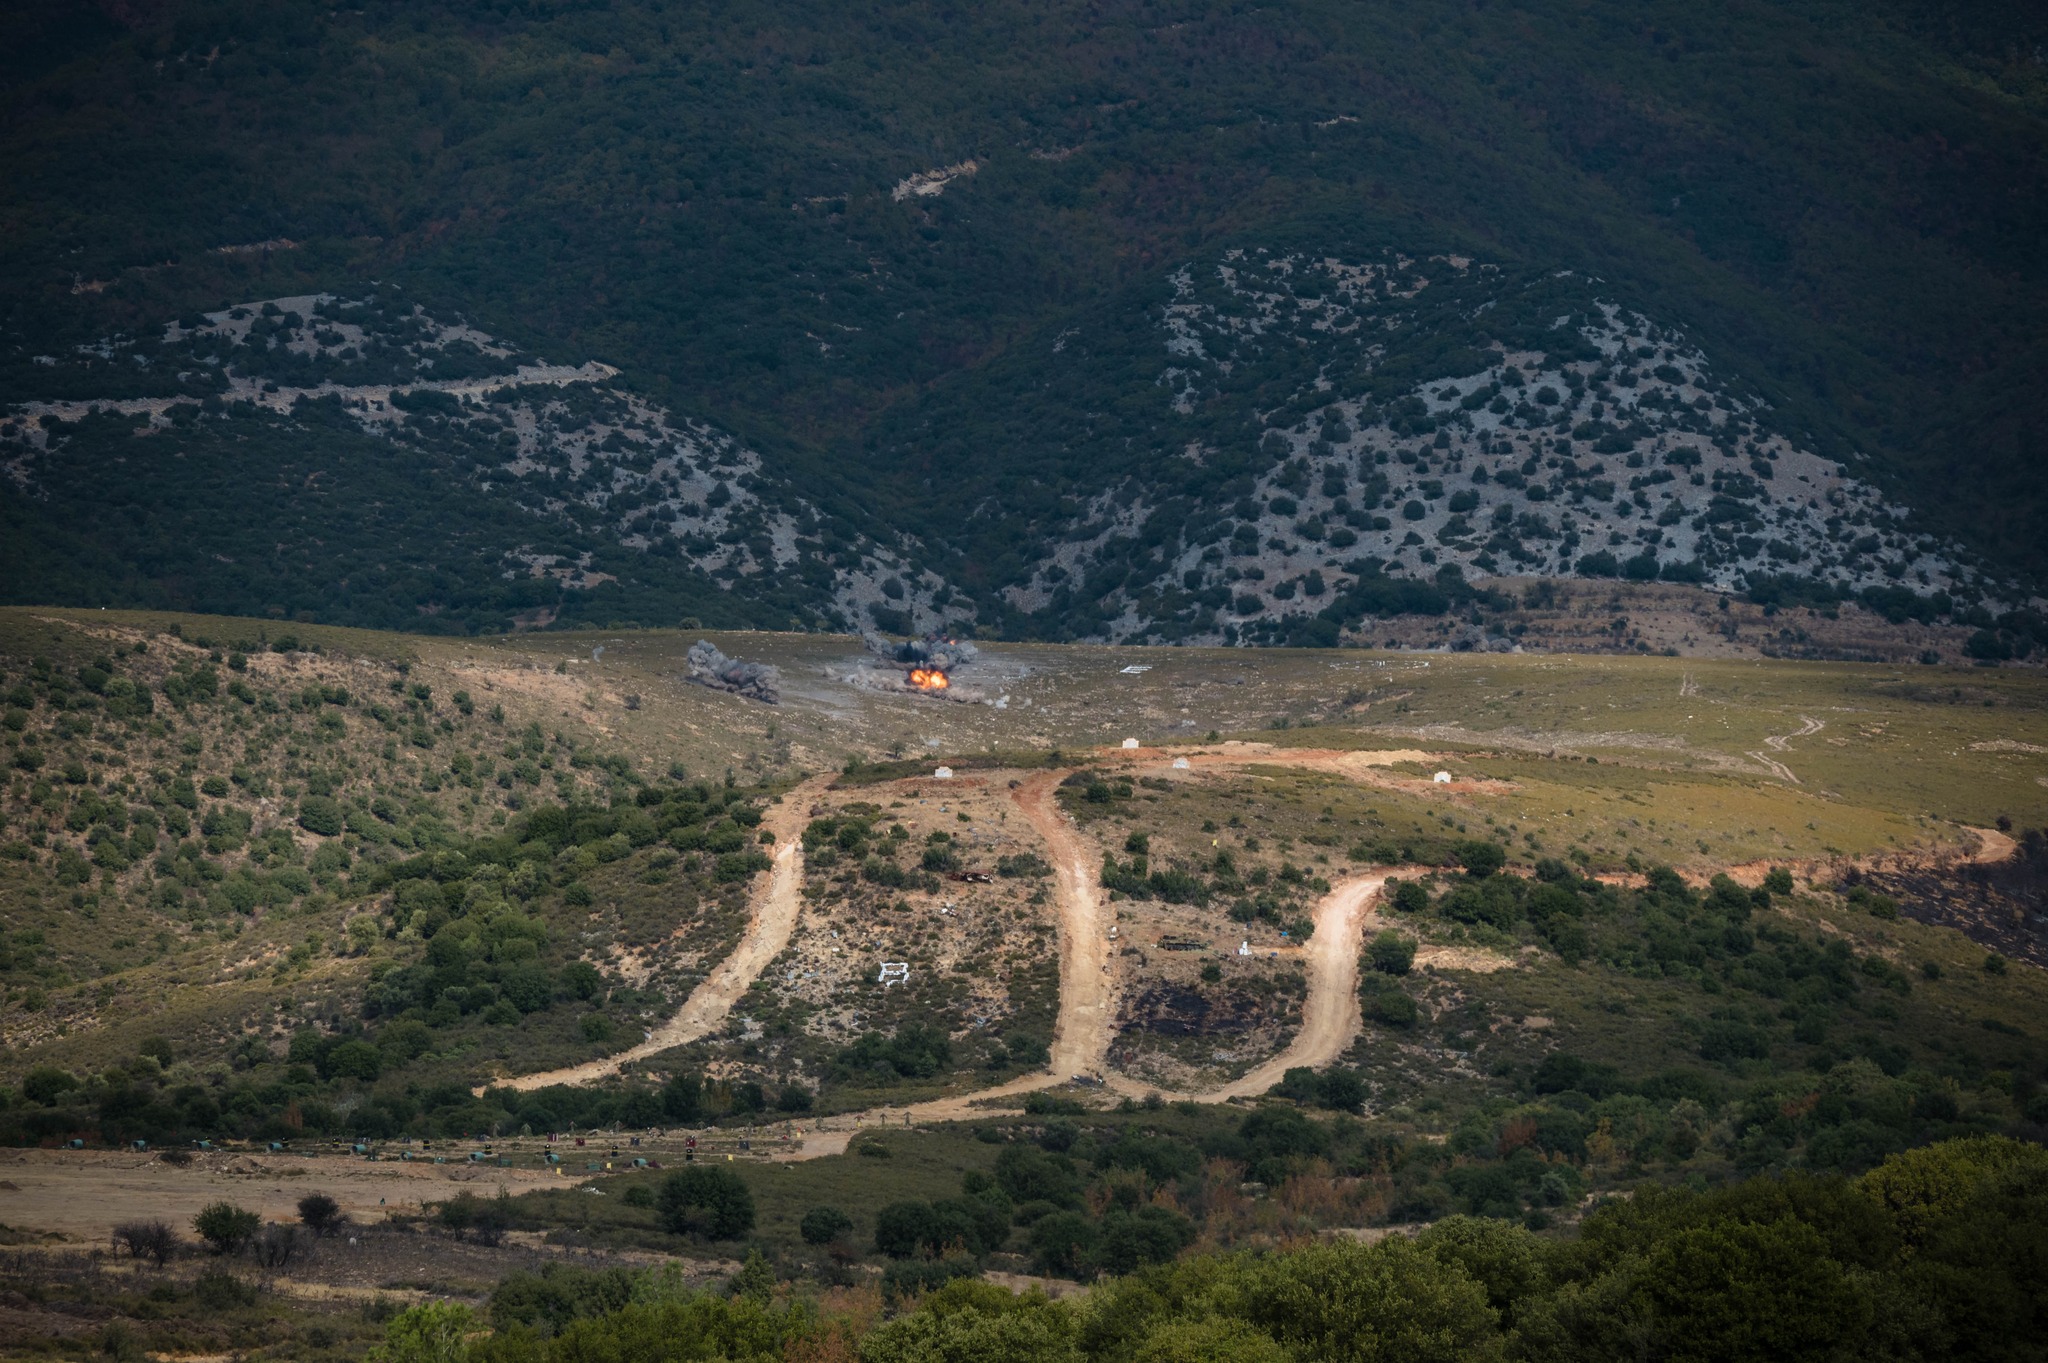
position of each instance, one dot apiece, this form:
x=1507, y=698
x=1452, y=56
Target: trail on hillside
x=1776, y=742
x=1087, y=1010
x=1992, y=846
x=1808, y=725
x=774, y=919
x=1330, y=1015
x=1331, y=1020
x=1086, y=1022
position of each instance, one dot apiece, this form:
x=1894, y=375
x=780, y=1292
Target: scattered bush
x=1392, y=953
x=225, y=1227
x=483, y=1220
x=153, y=1240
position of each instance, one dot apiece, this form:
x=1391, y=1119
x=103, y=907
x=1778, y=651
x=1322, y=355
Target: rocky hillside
x=410, y=473
x=899, y=317
x=1269, y=447
x=1291, y=436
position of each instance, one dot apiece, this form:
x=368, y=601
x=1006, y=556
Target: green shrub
x=704, y=1199
x=1392, y=953
x=1481, y=858
x=1390, y=1005
x=823, y=1225
x=225, y=1227
x=45, y=1084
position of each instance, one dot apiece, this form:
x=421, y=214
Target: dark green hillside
x=409, y=533
x=1842, y=204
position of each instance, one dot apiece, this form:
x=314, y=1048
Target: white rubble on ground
x=924, y=184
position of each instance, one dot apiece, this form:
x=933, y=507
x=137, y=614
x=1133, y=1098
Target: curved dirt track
x=1331, y=1020
x=1086, y=1022
x=1330, y=1015
x=1992, y=846
x=1086, y=1025
x=1087, y=1017
x=1776, y=743
x=1087, y=1011
x=774, y=919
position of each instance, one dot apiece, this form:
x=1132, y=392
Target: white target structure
x=893, y=972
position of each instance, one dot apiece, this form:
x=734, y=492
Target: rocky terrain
x=1373, y=450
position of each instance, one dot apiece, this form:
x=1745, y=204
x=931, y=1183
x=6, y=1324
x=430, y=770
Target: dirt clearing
x=82, y=1195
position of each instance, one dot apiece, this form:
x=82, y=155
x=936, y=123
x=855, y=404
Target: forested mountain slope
x=953, y=280
x=406, y=471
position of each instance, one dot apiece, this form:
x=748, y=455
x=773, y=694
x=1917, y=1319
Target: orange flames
x=928, y=679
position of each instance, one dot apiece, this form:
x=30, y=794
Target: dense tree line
x=1939, y=1253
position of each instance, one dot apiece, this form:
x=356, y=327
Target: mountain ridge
x=1259, y=471
x=1838, y=213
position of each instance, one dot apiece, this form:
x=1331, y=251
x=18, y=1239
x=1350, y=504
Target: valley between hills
x=1110, y=682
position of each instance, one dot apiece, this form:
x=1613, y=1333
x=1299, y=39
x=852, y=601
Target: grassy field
x=1898, y=740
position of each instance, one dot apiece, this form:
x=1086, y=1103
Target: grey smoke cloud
x=709, y=666
x=933, y=650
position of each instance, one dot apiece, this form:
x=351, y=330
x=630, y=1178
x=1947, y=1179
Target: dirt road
x=1086, y=1022
x=1776, y=743
x=1330, y=1015
x=1992, y=846
x=1087, y=1012
x=1087, y=1008
x=775, y=915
